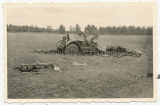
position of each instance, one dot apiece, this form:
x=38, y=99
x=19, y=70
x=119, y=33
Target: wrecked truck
x=75, y=43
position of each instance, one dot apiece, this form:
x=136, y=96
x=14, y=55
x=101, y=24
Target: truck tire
x=71, y=49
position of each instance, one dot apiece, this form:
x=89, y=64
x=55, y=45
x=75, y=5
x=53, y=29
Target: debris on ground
x=36, y=66
x=83, y=44
x=56, y=68
x=44, y=51
x=117, y=51
x=120, y=51
x=76, y=63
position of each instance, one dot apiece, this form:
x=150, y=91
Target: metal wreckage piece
x=110, y=51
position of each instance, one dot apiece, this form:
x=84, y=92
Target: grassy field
x=102, y=77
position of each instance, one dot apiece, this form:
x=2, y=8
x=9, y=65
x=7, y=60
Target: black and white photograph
x=94, y=51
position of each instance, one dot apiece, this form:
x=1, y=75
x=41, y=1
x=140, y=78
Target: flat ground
x=102, y=77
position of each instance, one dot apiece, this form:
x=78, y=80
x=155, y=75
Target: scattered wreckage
x=111, y=52
x=83, y=44
x=76, y=44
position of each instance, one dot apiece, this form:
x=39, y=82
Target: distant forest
x=91, y=29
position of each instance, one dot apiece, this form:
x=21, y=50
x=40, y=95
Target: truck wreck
x=84, y=44
x=77, y=43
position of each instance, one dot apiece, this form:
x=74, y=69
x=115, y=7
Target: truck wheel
x=71, y=49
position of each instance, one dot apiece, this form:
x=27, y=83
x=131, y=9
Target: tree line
x=26, y=28
x=120, y=30
x=91, y=29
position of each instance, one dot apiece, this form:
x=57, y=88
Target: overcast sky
x=71, y=15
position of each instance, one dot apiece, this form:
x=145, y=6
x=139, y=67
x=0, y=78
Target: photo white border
x=76, y=99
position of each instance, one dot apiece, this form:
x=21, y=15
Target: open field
x=102, y=77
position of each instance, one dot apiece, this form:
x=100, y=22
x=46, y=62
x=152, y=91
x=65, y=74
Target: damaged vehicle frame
x=76, y=43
